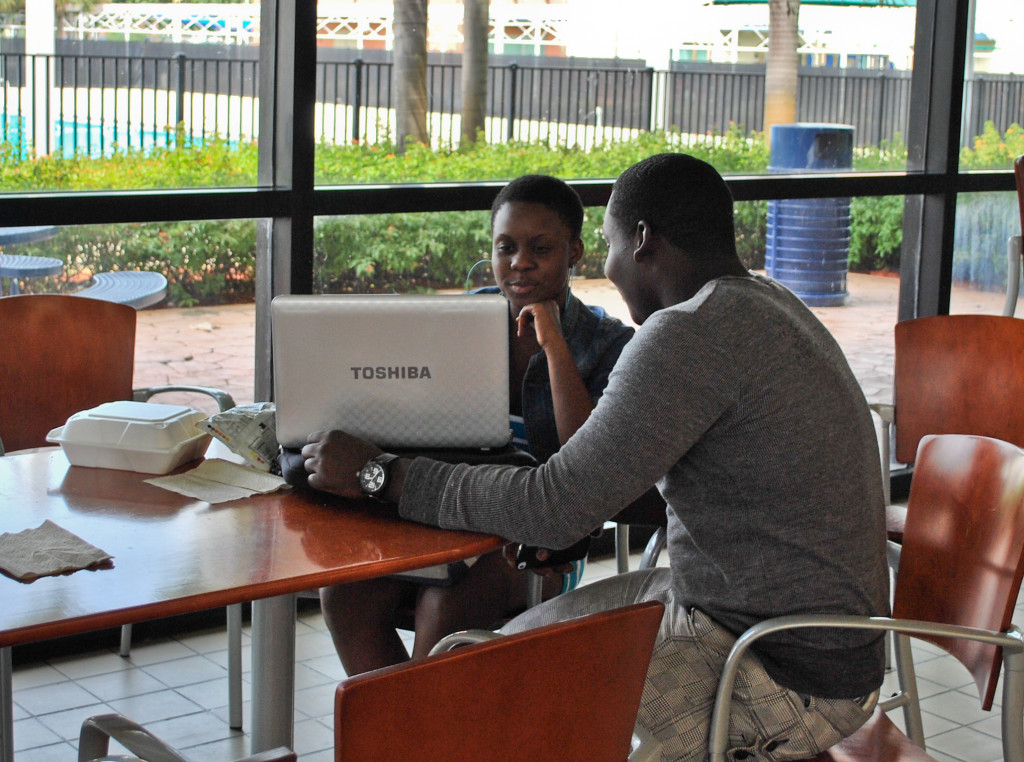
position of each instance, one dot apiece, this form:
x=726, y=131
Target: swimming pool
x=69, y=138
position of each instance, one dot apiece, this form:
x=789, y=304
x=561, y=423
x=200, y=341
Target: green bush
x=209, y=262
x=403, y=252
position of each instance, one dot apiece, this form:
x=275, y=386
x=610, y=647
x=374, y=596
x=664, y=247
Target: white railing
x=356, y=24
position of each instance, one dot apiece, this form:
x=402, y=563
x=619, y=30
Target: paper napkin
x=47, y=550
x=217, y=481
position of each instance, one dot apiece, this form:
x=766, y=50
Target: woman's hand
x=546, y=319
x=334, y=459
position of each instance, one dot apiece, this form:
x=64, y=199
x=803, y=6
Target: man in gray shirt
x=737, y=404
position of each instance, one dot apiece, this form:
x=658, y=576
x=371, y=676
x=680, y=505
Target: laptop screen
x=412, y=371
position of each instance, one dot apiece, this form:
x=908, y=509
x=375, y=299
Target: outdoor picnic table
x=16, y=266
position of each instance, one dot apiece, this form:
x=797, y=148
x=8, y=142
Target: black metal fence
x=94, y=103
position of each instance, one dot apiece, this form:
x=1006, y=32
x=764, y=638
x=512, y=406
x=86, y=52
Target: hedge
x=211, y=262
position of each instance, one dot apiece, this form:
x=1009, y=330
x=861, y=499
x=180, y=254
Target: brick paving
x=213, y=346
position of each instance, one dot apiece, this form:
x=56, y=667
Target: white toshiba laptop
x=402, y=371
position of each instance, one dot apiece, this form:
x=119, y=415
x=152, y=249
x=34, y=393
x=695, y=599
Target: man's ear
x=643, y=240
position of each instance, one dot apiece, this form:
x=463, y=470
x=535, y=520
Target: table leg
x=6, y=707
x=273, y=673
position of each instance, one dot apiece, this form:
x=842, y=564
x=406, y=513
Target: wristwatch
x=375, y=475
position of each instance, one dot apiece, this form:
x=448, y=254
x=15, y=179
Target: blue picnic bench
x=135, y=288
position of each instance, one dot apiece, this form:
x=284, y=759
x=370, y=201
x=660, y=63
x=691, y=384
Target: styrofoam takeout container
x=133, y=436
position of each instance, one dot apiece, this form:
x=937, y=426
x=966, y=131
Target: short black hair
x=548, y=191
x=682, y=198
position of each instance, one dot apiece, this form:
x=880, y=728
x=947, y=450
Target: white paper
x=249, y=431
x=217, y=481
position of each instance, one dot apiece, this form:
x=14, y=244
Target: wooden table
x=173, y=554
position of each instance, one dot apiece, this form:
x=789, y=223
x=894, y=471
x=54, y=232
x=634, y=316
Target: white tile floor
x=177, y=687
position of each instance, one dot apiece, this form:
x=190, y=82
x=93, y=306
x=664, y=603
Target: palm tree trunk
x=475, y=25
x=409, y=77
x=781, y=70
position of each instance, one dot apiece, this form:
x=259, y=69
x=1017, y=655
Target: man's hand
x=334, y=459
x=511, y=551
x=546, y=320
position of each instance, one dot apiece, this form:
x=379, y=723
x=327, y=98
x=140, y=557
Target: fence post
x=357, y=102
x=179, y=101
x=882, y=80
x=650, y=98
x=514, y=68
x=975, y=119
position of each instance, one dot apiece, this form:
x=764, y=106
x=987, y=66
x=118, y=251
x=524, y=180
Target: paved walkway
x=214, y=345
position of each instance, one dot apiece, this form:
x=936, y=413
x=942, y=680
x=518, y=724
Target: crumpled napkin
x=217, y=481
x=48, y=550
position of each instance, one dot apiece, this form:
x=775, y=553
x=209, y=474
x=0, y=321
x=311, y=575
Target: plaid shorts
x=768, y=722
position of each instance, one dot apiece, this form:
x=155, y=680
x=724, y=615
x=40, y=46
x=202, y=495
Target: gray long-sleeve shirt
x=742, y=409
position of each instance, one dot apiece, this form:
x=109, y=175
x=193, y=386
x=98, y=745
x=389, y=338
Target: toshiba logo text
x=389, y=372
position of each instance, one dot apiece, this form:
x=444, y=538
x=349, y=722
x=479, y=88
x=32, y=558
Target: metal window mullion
x=284, y=252
x=933, y=139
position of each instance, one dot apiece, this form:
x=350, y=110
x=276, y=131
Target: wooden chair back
x=564, y=691
x=60, y=354
x=963, y=546
x=958, y=374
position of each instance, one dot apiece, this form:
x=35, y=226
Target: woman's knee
x=373, y=599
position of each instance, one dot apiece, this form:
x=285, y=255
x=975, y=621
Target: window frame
x=287, y=202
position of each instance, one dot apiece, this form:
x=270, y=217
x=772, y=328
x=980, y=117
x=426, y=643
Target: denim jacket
x=595, y=340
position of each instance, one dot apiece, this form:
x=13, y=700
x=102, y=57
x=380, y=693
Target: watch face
x=371, y=478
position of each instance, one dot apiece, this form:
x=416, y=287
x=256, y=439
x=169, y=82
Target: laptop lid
x=397, y=370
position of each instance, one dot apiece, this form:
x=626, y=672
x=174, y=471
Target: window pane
x=602, y=93
x=994, y=87
x=202, y=332
x=132, y=95
x=450, y=252
x=802, y=252
x=984, y=222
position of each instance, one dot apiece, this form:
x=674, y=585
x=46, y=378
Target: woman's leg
x=490, y=591
x=361, y=618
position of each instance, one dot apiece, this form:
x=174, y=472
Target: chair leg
x=654, y=547
x=892, y=553
x=126, y=640
x=1013, y=705
x=622, y=547
x=908, y=685
x=534, y=590
x=234, y=613
x=7, y=707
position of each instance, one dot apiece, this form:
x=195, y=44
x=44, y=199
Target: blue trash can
x=808, y=241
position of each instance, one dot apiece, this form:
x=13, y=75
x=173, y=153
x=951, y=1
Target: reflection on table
x=173, y=554
x=15, y=266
